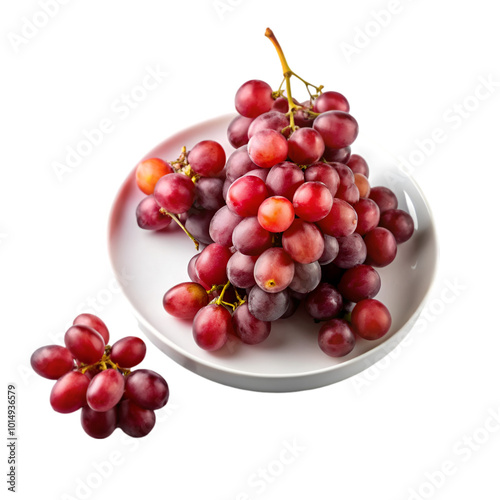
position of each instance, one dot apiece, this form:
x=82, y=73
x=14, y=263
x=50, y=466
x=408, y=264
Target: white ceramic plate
x=290, y=359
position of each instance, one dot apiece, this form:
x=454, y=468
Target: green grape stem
x=288, y=73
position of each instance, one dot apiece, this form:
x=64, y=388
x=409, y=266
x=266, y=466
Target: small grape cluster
x=291, y=218
x=96, y=378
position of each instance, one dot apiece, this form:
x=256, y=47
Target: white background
x=380, y=435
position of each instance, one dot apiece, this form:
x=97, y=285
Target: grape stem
x=288, y=73
x=219, y=300
x=181, y=225
x=104, y=363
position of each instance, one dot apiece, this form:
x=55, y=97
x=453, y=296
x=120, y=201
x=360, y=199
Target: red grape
x=303, y=241
x=368, y=215
x=253, y=98
x=250, y=238
x=274, y=270
x=211, y=264
x=276, y=214
x=305, y=146
x=149, y=215
x=128, y=351
x=105, y=390
x=69, y=392
x=306, y=277
x=341, y=220
x=94, y=322
x=245, y=195
x=211, y=327
x=336, y=338
x=175, y=193
x=52, y=361
x=381, y=247
x=271, y=120
x=338, y=128
x=329, y=101
x=370, y=319
x=207, y=158
x=358, y=165
x=85, y=343
x=284, y=179
x=312, y=201
x=322, y=172
x=267, y=148
x=184, y=300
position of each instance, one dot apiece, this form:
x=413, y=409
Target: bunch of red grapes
x=96, y=378
x=289, y=219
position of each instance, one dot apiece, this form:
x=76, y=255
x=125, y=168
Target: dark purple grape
x=240, y=270
x=209, y=193
x=248, y=328
x=324, y=302
x=250, y=238
x=268, y=306
x=352, y=251
x=359, y=283
x=358, y=165
x=98, y=424
x=237, y=131
x=399, y=223
x=384, y=198
x=306, y=277
x=147, y=389
x=331, y=250
x=238, y=164
x=134, y=420
x=222, y=226
x=337, y=155
x=197, y=223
